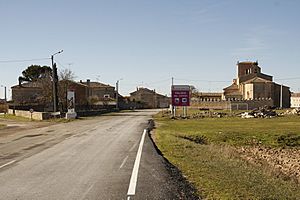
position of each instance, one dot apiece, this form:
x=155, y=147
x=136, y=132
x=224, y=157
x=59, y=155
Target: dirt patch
x=284, y=161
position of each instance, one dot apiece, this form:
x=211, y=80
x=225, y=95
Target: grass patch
x=203, y=150
x=236, y=131
x=16, y=118
x=60, y=120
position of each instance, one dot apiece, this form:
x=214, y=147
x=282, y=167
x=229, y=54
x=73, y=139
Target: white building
x=295, y=100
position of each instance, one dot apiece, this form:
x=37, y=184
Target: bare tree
x=66, y=74
x=66, y=77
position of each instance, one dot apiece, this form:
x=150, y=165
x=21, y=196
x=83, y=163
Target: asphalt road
x=108, y=157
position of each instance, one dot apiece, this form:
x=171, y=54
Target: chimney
x=88, y=81
x=80, y=81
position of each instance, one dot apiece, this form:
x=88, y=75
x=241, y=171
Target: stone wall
x=233, y=105
x=215, y=105
x=3, y=108
x=27, y=114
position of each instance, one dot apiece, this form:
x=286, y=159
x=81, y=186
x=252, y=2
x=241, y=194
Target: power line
x=210, y=81
x=60, y=64
x=28, y=60
x=282, y=79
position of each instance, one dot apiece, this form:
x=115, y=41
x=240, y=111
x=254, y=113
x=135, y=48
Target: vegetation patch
x=16, y=118
x=198, y=139
x=291, y=140
x=205, y=150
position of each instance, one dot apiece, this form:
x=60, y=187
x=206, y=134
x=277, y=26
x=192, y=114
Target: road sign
x=181, y=95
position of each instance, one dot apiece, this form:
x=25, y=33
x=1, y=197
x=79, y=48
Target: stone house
x=149, y=98
x=35, y=94
x=27, y=93
x=295, y=100
x=98, y=91
x=252, y=84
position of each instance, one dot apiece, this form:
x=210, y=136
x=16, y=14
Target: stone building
x=26, y=93
x=149, y=98
x=39, y=94
x=99, y=91
x=295, y=100
x=252, y=84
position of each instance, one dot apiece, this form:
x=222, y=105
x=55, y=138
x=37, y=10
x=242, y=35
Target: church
x=252, y=84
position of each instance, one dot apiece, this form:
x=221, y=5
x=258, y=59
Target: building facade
x=295, y=100
x=252, y=84
x=149, y=98
x=39, y=94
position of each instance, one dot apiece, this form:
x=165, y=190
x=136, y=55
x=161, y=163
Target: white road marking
x=9, y=163
x=131, y=149
x=135, y=171
x=88, y=190
x=123, y=163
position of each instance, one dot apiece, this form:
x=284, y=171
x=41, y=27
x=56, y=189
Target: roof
x=248, y=62
x=232, y=87
x=96, y=84
x=38, y=84
x=29, y=85
x=257, y=80
x=141, y=89
x=295, y=95
x=210, y=94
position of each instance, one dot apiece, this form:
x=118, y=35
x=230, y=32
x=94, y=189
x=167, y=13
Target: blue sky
x=145, y=43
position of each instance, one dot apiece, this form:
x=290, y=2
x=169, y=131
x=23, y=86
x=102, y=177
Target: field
x=215, y=154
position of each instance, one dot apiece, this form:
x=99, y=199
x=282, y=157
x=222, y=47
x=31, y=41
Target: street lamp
x=5, y=98
x=55, y=80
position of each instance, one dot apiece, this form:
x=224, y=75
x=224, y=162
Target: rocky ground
x=281, y=161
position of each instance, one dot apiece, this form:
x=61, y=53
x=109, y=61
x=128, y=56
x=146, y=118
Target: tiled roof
x=29, y=85
x=295, y=95
x=95, y=84
x=257, y=80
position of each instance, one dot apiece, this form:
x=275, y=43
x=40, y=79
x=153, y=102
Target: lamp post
x=5, y=98
x=55, y=80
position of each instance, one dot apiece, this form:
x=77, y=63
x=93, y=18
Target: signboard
x=181, y=95
x=71, y=101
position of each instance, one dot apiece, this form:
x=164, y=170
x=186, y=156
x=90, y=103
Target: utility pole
x=5, y=98
x=117, y=94
x=281, y=96
x=54, y=82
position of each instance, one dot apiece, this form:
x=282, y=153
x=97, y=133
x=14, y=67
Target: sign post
x=71, y=114
x=181, y=95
